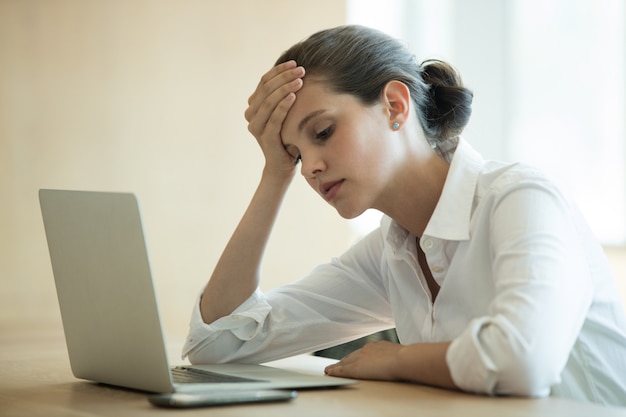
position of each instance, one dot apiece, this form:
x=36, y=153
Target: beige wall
x=146, y=96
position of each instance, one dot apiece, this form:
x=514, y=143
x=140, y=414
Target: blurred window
x=548, y=78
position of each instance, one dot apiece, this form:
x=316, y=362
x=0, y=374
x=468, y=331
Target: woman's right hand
x=267, y=108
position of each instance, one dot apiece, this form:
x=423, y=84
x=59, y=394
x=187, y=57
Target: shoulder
x=497, y=180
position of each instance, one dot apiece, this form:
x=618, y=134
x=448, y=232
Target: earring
x=395, y=126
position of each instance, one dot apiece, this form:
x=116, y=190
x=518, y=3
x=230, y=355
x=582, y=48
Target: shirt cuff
x=244, y=322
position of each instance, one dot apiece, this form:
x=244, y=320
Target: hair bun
x=449, y=107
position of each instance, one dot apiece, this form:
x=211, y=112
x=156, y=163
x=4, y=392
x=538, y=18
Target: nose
x=312, y=165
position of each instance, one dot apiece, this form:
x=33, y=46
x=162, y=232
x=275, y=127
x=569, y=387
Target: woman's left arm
x=543, y=289
x=542, y=294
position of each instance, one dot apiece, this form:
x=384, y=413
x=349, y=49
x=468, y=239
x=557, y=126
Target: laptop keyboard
x=185, y=375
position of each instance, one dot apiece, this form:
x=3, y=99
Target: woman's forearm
x=237, y=273
x=424, y=363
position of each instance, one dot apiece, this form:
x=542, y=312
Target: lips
x=330, y=189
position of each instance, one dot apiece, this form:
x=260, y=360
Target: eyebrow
x=308, y=117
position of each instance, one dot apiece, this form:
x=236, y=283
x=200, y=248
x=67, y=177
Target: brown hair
x=360, y=61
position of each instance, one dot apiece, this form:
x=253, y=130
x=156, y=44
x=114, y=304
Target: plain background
x=148, y=96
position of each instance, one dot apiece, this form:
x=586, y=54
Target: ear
x=397, y=101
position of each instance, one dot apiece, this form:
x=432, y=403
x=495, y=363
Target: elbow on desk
x=505, y=371
x=207, y=351
x=492, y=358
x=203, y=356
x=199, y=357
x=525, y=377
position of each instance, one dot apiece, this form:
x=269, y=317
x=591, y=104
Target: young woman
x=491, y=277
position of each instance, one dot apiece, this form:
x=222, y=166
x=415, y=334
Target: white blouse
x=527, y=297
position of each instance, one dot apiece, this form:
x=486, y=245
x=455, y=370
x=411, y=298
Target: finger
x=284, y=82
x=273, y=72
x=342, y=370
x=277, y=117
x=339, y=366
x=333, y=370
x=265, y=99
x=275, y=107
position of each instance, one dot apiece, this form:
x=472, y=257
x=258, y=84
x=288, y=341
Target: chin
x=349, y=213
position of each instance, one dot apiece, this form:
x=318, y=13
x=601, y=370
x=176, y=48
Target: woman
x=490, y=276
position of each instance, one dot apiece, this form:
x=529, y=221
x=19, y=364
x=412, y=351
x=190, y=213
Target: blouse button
x=428, y=244
x=437, y=269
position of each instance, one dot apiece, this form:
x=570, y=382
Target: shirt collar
x=450, y=220
x=451, y=217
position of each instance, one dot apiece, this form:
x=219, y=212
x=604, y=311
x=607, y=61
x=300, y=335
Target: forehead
x=314, y=93
x=314, y=97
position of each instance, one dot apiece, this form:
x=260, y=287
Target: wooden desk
x=35, y=380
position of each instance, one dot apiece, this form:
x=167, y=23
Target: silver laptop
x=109, y=308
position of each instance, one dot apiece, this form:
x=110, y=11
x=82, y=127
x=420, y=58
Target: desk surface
x=35, y=380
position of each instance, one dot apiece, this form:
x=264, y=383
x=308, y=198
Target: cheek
x=361, y=152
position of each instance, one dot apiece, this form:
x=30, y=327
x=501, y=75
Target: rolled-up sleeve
x=335, y=303
x=242, y=324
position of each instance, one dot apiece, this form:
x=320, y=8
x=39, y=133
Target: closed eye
x=325, y=134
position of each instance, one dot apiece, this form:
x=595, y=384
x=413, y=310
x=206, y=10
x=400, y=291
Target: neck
x=412, y=198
